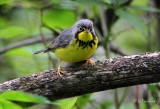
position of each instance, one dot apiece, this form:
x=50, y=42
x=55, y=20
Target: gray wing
x=62, y=40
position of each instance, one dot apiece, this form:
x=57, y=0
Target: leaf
x=2, y=2
x=144, y=8
x=133, y=20
x=3, y=22
x=120, y=2
x=59, y=18
x=24, y=97
x=19, y=52
x=4, y=104
x=65, y=4
x=67, y=103
x=94, y=2
x=153, y=88
x=12, y=31
x=83, y=100
x=114, y=2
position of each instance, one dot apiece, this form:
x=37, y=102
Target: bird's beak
x=86, y=31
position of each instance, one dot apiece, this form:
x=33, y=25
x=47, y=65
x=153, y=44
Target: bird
x=75, y=44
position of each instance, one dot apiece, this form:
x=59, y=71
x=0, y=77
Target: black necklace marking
x=84, y=44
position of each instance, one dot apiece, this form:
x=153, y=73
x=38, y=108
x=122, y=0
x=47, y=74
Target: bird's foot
x=59, y=72
x=90, y=62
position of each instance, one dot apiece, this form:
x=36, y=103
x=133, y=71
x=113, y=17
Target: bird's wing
x=62, y=40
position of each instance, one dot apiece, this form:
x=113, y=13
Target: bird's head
x=83, y=29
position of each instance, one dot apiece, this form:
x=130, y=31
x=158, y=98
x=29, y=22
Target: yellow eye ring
x=81, y=28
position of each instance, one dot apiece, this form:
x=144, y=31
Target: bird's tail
x=43, y=50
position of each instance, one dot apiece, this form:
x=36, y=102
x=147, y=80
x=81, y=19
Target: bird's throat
x=84, y=36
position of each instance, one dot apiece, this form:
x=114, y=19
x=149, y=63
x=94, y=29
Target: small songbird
x=75, y=44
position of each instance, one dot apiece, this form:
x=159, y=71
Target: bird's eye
x=81, y=28
x=90, y=29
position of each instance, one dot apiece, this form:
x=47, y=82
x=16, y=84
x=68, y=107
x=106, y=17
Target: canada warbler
x=75, y=44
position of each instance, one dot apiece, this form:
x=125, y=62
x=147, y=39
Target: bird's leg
x=90, y=62
x=59, y=72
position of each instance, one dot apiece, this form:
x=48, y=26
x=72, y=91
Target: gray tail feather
x=43, y=50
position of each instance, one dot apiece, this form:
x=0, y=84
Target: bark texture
x=82, y=78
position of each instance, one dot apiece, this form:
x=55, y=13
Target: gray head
x=84, y=25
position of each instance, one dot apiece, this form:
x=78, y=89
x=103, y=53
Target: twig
x=43, y=39
x=116, y=98
x=35, y=40
x=137, y=96
x=40, y=29
x=145, y=96
x=103, y=21
x=123, y=96
x=25, y=43
x=88, y=12
x=104, y=31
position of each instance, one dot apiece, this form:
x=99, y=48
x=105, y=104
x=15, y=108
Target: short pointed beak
x=87, y=30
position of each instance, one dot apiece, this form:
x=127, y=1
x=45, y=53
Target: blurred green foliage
x=130, y=30
x=11, y=99
x=63, y=20
x=67, y=103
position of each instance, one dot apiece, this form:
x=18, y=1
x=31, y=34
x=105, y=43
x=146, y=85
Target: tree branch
x=83, y=78
x=25, y=43
x=35, y=40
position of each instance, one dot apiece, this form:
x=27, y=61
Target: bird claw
x=90, y=62
x=59, y=72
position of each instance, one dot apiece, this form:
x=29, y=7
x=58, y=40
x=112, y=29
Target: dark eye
x=90, y=29
x=81, y=29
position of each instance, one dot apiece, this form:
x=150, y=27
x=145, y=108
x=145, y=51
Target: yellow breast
x=79, y=49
